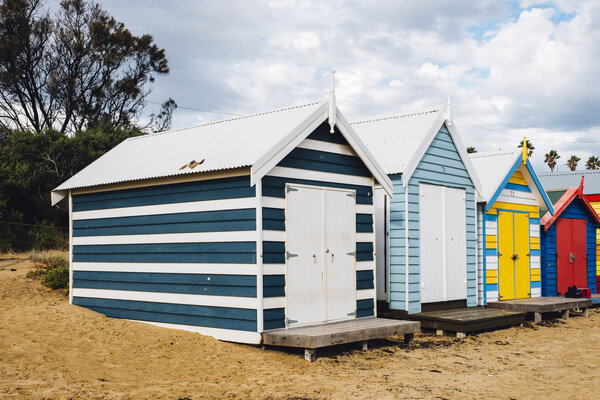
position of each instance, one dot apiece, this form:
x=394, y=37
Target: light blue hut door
x=320, y=255
x=442, y=238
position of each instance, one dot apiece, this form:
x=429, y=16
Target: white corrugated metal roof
x=570, y=179
x=394, y=141
x=492, y=168
x=227, y=144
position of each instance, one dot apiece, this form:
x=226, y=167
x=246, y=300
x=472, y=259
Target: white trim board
x=228, y=335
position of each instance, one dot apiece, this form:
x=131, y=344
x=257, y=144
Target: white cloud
x=529, y=71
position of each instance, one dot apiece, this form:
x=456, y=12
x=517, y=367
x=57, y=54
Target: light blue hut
x=231, y=228
x=426, y=234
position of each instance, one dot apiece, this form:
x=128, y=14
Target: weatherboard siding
x=575, y=210
x=165, y=254
x=440, y=165
x=516, y=195
x=326, y=160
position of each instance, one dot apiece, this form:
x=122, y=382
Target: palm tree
x=572, y=163
x=530, y=148
x=592, y=163
x=551, y=158
x=471, y=150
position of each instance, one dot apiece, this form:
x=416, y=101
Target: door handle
x=314, y=258
x=571, y=257
x=515, y=257
x=331, y=257
x=326, y=250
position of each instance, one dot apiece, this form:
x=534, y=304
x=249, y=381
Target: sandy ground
x=52, y=350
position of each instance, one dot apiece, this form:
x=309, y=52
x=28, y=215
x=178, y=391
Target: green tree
x=550, y=159
x=592, y=163
x=76, y=69
x=572, y=162
x=471, y=150
x=530, y=147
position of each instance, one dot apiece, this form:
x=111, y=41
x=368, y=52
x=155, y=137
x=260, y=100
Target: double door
x=320, y=255
x=571, y=257
x=514, y=276
x=443, y=243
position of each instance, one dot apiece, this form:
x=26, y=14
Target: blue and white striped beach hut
x=426, y=234
x=231, y=228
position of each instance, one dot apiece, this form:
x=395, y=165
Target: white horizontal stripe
x=536, y=292
x=364, y=237
x=365, y=265
x=490, y=226
x=171, y=298
x=274, y=269
x=516, y=200
x=192, y=237
x=491, y=262
x=518, y=194
x=174, y=268
x=364, y=209
x=228, y=335
x=296, y=173
x=365, y=294
x=273, y=202
x=490, y=231
x=192, y=206
x=274, y=302
x=274, y=236
x=492, y=295
x=326, y=146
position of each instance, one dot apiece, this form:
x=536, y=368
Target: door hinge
x=289, y=255
x=290, y=189
x=352, y=253
x=352, y=314
x=353, y=195
x=290, y=321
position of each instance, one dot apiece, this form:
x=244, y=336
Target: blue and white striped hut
x=426, y=235
x=231, y=228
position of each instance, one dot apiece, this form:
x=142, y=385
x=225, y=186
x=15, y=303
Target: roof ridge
x=396, y=116
x=225, y=120
x=587, y=171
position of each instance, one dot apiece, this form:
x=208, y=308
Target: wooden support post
x=263, y=347
x=310, y=355
x=537, y=317
x=439, y=332
x=584, y=312
x=365, y=344
x=461, y=335
x=409, y=339
x=565, y=314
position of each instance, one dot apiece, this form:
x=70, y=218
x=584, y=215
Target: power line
x=198, y=109
x=23, y=224
x=517, y=136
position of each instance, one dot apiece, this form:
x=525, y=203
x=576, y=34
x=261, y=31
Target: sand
x=52, y=350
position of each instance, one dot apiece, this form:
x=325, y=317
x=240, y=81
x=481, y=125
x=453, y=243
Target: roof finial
x=581, y=186
x=449, y=111
x=524, y=150
x=332, y=106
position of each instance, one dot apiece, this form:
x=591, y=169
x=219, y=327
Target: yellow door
x=521, y=235
x=513, y=255
x=506, y=270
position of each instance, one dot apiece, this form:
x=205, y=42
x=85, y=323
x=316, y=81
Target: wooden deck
x=540, y=305
x=357, y=330
x=471, y=319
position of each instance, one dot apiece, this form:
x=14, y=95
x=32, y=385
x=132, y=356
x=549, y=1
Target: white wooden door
x=340, y=246
x=455, y=227
x=443, y=242
x=320, y=260
x=432, y=243
x=304, y=254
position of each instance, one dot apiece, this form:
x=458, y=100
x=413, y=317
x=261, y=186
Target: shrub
x=57, y=278
x=52, y=266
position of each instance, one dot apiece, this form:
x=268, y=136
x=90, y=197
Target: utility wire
x=23, y=224
x=198, y=109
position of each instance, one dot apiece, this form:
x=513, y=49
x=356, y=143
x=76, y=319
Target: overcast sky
x=512, y=68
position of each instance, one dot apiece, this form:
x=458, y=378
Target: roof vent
x=191, y=165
